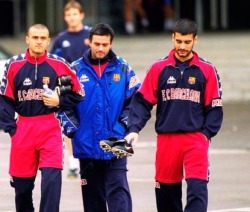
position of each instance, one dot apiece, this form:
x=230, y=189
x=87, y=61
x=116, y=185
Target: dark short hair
x=101, y=29
x=185, y=26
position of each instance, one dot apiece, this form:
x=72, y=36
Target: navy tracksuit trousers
x=168, y=196
x=105, y=185
x=50, y=191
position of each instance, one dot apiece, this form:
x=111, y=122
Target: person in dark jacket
x=73, y=41
x=109, y=84
x=71, y=44
x=187, y=92
x=36, y=138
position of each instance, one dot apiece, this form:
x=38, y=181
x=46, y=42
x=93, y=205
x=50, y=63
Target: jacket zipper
x=182, y=71
x=99, y=68
x=36, y=69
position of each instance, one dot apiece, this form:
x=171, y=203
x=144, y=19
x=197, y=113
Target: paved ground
x=230, y=174
x=229, y=156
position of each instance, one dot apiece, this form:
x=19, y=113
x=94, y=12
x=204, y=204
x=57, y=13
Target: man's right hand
x=132, y=138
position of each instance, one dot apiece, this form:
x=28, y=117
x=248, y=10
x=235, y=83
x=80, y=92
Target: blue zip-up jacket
x=103, y=112
x=188, y=100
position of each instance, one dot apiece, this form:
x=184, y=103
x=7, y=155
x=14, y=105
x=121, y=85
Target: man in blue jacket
x=109, y=84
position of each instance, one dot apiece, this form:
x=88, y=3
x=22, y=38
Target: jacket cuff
x=12, y=132
x=134, y=129
x=61, y=100
x=207, y=134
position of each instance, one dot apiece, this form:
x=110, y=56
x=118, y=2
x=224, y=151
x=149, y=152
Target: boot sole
x=105, y=146
x=120, y=152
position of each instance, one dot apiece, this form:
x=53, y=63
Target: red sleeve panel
x=65, y=70
x=149, y=88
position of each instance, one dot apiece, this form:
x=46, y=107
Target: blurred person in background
x=71, y=44
x=169, y=15
x=132, y=8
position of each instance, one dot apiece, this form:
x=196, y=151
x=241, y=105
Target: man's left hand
x=51, y=100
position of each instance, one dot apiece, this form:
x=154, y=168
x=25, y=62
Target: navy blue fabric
x=105, y=183
x=168, y=197
x=197, y=195
x=69, y=122
x=50, y=189
x=24, y=94
x=23, y=193
x=71, y=45
x=188, y=100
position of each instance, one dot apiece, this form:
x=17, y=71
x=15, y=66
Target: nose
x=39, y=40
x=182, y=46
x=100, y=48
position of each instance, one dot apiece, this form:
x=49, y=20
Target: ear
x=48, y=41
x=173, y=36
x=196, y=39
x=27, y=39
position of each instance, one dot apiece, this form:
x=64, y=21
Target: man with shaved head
x=36, y=139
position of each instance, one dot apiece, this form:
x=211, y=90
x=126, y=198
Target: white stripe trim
x=231, y=210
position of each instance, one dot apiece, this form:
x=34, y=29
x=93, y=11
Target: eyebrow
x=37, y=36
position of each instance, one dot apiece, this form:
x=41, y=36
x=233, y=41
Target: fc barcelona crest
x=46, y=80
x=116, y=77
x=191, y=80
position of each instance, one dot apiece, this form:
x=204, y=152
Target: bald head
x=38, y=27
x=37, y=39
